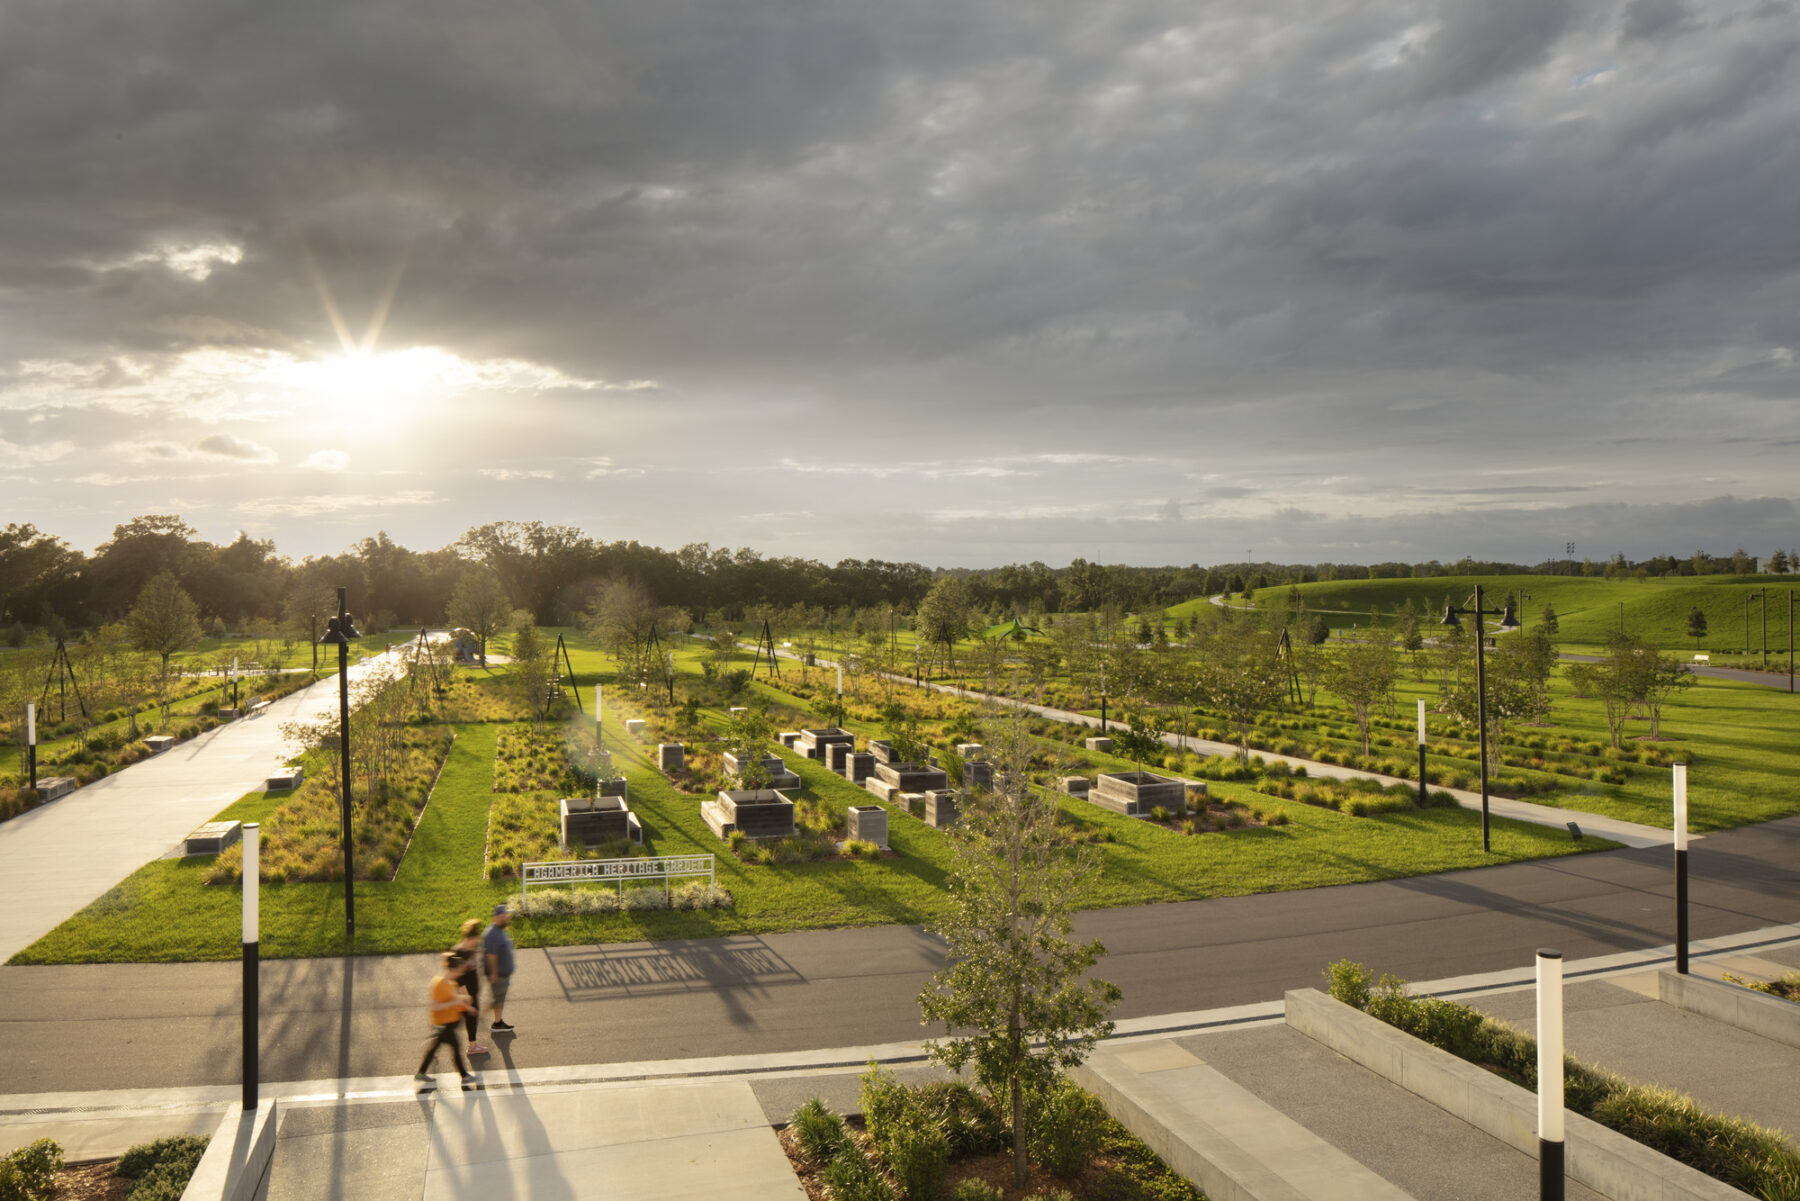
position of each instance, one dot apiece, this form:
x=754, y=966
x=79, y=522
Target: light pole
x=1550, y=1074
x=31, y=742
x=340, y=630
x=1762, y=607
x=1421, y=753
x=1681, y=870
x=1508, y=621
x=252, y=876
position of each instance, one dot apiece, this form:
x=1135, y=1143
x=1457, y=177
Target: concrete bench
x=1099, y=744
x=293, y=777
x=214, y=837
x=1703, y=658
x=256, y=705
x=158, y=743
x=52, y=787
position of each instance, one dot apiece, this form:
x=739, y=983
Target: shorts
x=497, y=990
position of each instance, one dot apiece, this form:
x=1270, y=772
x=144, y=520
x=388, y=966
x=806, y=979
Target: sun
x=373, y=387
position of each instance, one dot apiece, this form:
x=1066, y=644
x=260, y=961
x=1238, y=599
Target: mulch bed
x=91, y=1180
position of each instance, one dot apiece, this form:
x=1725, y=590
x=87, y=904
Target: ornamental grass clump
x=819, y=1131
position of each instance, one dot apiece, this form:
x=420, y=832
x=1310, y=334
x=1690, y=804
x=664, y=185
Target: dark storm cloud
x=1286, y=242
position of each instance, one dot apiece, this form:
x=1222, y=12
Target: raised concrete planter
x=213, y=837
x=1198, y=795
x=779, y=775
x=940, y=808
x=912, y=777
x=158, y=743
x=788, y=738
x=978, y=774
x=816, y=743
x=235, y=1166
x=1135, y=793
x=912, y=802
x=1099, y=744
x=881, y=789
x=618, y=786
x=52, y=787
x=293, y=777
x=1603, y=1160
x=635, y=727
x=593, y=820
x=759, y=813
x=858, y=766
x=882, y=750
x=671, y=756
x=1075, y=785
x=869, y=823
x=837, y=754
x=1774, y=1018
x=970, y=750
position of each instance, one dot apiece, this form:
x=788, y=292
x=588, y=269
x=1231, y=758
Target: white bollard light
x=252, y=886
x=1550, y=1074
x=1681, y=870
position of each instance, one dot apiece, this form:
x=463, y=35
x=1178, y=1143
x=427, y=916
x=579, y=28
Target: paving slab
x=1724, y=1069
x=1395, y=1134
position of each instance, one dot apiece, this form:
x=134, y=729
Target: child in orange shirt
x=447, y=1010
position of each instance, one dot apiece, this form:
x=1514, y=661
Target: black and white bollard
x=1421, y=754
x=234, y=682
x=1550, y=1074
x=252, y=879
x=1681, y=900
x=31, y=742
x=599, y=737
x=840, y=681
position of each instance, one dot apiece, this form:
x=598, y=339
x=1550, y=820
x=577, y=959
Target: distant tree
x=164, y=620
x=1016, y=997
x=626, y=620
x=480, y=605
x=943, y=616
x=1778, y=562
x=1406, y=627
x=1548, y=622
x=1696, y=625
x=533, y=670
x=1242, y=675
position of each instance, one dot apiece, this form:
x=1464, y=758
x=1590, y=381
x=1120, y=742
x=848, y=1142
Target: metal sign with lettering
x=607, y=871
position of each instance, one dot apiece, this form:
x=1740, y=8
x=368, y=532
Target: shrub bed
x=1740, y=1153
x=526, y=827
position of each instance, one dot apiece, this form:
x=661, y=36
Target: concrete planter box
x=1075, y=785
x=978, y=774
x=1135, y=793
x=1773, y=1018
x=816, y=743
x=940, y=808
x=788, y=738
x=214, y=837
x=837, y=754
x=671, y=756
x=912, y=777
x=869, y=823
x=617, y=786
x=1099, y=744
x=779, y=775
x=635, y=727
x=970, y=750
x=858, y=766
x=880, y=789
x=293, y=777
x=882, y=750
x=912, y=802
x=1604, y=1160
x=593, y=820
x=759, y=813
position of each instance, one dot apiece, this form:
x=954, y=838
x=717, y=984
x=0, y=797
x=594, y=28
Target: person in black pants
x=447, y=1010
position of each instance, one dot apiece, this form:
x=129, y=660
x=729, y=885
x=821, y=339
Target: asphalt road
x=149, y=1025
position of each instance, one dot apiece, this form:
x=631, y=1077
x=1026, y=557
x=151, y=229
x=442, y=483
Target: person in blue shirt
x=497, y=957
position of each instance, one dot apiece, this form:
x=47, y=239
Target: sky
x=1143, y=281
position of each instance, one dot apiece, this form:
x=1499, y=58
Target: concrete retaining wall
x=1773, y=1018
x=1603, y=1160
x=236, y=1164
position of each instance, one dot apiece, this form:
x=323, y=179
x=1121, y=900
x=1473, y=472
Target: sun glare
x=373, y=386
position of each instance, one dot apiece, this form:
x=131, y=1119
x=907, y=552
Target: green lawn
x=162, y=912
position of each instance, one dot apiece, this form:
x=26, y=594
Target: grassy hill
x=1587, y=610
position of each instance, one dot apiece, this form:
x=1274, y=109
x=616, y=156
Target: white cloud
x=508, y=473
x=329, y=461
x=226, y=446
x=38, y=452
x=319, y=505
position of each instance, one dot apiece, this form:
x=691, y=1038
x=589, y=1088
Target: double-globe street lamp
x=340, y=630
x=1508, y=621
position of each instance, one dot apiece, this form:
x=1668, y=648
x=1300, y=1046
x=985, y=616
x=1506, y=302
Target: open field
x=164, y=911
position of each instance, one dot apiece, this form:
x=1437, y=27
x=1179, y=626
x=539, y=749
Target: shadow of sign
x=656, y=969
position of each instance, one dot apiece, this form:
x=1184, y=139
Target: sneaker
x=478, y=1049
x=423, y=1080
x=502, y=1027
x=471, y=1081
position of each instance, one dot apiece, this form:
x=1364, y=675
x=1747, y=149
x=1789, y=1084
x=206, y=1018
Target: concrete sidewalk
x=1317, y=1124
x=58, y=858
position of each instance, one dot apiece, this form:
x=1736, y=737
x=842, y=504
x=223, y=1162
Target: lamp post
x=1508, y=621
x=31, y=742
x=1421, y=753
x=1550, y=1074
x=1762, y=607
x=340, y=630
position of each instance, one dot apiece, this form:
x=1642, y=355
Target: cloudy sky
x=1145, y=281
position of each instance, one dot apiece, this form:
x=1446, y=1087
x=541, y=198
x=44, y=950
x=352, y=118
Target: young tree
x=626, y=620
x=1548, y=621
x=533, y=670
x=1140, y=738
x=1696, y=625
x=164, y=620
x=1016, y=997
x=479, y=604
x=1242, y=676
x=1363, y=676
x=943, y=616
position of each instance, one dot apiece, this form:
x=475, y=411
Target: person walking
x=468, y=947
x=447, y=1010
x=497, y=956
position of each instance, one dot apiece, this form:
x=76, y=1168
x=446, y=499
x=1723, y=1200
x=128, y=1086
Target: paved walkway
x=58, y=858
x=684, y=1128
